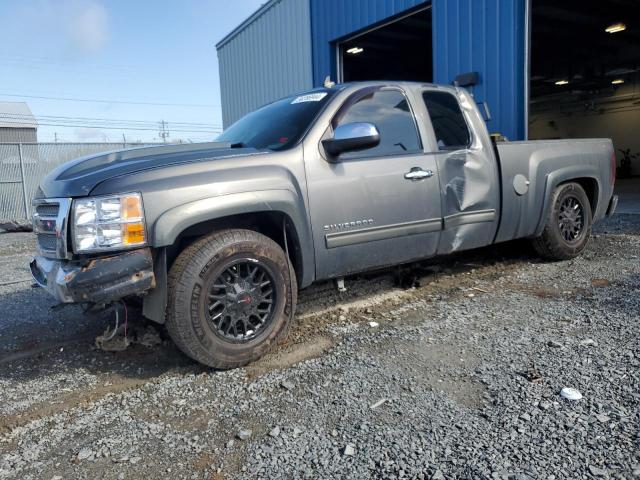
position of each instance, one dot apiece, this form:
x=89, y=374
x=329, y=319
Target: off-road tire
x=187, y=322
x=551, y=244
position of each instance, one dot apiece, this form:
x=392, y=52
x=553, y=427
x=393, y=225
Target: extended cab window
x=447, y=119
x=389, y=111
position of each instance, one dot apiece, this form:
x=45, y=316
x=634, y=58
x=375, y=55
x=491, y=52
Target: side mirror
x=350, y=137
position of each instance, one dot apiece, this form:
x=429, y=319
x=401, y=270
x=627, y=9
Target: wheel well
x=590, y=186
x=268, y=223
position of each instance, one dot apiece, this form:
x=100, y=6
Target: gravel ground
x=458, y=376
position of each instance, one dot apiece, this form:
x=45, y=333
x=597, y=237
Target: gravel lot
x=461, y=378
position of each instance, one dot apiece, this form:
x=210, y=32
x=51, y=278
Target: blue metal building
x=290, y=45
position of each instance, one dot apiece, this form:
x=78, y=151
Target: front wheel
x=568, y=225
x=231, y=297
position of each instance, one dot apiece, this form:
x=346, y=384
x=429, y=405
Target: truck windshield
x=279, y=125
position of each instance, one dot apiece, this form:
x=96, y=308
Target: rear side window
x=448, y=122
x=389, y=111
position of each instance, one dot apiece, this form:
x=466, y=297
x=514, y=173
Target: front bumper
x=613, y=203
x=96, y=280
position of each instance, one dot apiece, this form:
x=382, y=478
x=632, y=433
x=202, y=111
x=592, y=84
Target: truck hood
x=79, y=177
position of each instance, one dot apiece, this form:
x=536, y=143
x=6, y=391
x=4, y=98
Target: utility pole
x=55, y=137
x=164, y=133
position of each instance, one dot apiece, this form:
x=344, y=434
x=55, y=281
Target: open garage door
x=584, y=77
x=399, y=49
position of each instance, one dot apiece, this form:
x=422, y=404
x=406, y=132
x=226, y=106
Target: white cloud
x=87, y=27
x=55, y=28
x=90, y=134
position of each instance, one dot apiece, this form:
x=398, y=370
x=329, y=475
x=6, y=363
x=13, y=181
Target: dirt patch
x=544, y=292
x=288, y=355
x=377, y=297
x=113, y=376
x=600, y=282
x=34, y=348
x=76, y=399
x=203, y=461
x=447, y=369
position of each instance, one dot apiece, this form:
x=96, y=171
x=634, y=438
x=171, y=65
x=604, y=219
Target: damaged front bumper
x=96, y=280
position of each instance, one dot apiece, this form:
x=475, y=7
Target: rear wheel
x=231, y=297
x=568, y=225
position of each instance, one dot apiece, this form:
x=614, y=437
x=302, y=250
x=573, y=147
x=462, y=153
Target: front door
x=379, y=206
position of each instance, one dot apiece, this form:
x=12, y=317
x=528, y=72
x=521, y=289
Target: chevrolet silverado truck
x=213, y=240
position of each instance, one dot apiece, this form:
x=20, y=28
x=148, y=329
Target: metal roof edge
x=252, y=18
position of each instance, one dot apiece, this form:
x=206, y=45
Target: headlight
x=108, y=223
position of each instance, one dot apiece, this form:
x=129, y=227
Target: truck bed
x=544, y=164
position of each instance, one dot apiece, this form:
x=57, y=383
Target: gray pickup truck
x=215, y=239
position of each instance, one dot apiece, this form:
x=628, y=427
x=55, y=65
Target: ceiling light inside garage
x=615, y=28
x=355, y=50
x=618, y=81
x=562, y=82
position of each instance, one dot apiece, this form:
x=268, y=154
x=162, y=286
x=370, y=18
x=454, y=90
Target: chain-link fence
x=23, y=166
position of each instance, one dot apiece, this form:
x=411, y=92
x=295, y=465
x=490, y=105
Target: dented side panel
x=470, y=203
x=469, y=186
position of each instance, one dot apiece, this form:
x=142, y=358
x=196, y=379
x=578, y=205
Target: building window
x=447, y=119
x=389, y=111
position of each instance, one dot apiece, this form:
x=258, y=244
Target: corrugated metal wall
x=25, y=135
x=333, y=19
x=289, y=45
x=266, y=58
x=487, y=36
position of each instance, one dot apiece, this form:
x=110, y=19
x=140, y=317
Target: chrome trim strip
x=354, y=237
x=465, y=218
x=60, y=229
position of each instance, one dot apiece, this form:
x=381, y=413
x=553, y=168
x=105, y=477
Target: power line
x=112, y=127
x=57, y=118
x=97, y=100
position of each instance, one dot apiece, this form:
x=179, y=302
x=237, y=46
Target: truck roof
x=399, y=83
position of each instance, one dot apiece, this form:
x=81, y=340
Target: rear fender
x=564, y=175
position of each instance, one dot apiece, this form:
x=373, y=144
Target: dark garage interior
x=400, y=49
x=585, y=61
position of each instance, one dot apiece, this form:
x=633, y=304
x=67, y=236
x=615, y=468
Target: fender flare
x=563, y=175
x=170, y=224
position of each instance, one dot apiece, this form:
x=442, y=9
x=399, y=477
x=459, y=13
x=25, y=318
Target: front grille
x=47, y=243
x=48, y=210
x=50, y=226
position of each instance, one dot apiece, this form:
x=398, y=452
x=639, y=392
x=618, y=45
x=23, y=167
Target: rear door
x=368, y=209
x=469, y=177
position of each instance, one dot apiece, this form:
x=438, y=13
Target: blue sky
x=141, y=51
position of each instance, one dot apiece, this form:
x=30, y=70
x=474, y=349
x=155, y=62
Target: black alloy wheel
x=571, y=219
x=241, y=300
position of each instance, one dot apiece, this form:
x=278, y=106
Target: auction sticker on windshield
x=311, y=97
